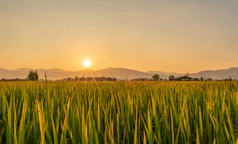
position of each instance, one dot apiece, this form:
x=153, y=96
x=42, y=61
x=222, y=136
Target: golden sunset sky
x=166, y=35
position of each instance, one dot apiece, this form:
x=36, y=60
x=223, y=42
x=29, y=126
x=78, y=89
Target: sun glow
x=86, y=63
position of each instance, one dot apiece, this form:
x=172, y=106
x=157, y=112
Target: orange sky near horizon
x=172, y=36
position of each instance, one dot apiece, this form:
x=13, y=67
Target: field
x=118, y=112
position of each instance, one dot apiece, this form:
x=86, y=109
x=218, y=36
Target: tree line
x=186, y=77
x=33, y=76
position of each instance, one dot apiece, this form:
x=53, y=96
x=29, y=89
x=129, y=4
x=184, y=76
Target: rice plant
x=118, y=112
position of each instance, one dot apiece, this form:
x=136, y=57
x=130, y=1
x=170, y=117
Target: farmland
x=118, y=112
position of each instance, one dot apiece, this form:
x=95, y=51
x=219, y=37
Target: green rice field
x=118, y=112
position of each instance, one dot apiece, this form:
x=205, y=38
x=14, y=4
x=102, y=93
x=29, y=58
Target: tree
x=155, y=77
x=196, y=79
x=202, y=79
x=187, y=77
x=209, y=79
x=171, y=78
x=33, y=75
x=184, y=78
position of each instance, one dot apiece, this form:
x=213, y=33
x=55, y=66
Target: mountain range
x=119, y=73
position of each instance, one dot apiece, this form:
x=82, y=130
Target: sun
x=86, y=63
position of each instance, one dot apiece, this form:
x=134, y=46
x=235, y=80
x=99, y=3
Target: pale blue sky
x=180, y=36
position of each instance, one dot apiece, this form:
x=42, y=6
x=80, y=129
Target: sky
x=165, y=35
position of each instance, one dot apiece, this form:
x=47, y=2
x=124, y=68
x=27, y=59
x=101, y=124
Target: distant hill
x=18, y=73
x=123, y=73
x=218, y=74
x=119, y=73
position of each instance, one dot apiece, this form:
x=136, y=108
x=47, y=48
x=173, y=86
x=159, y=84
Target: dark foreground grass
x=118, y=112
